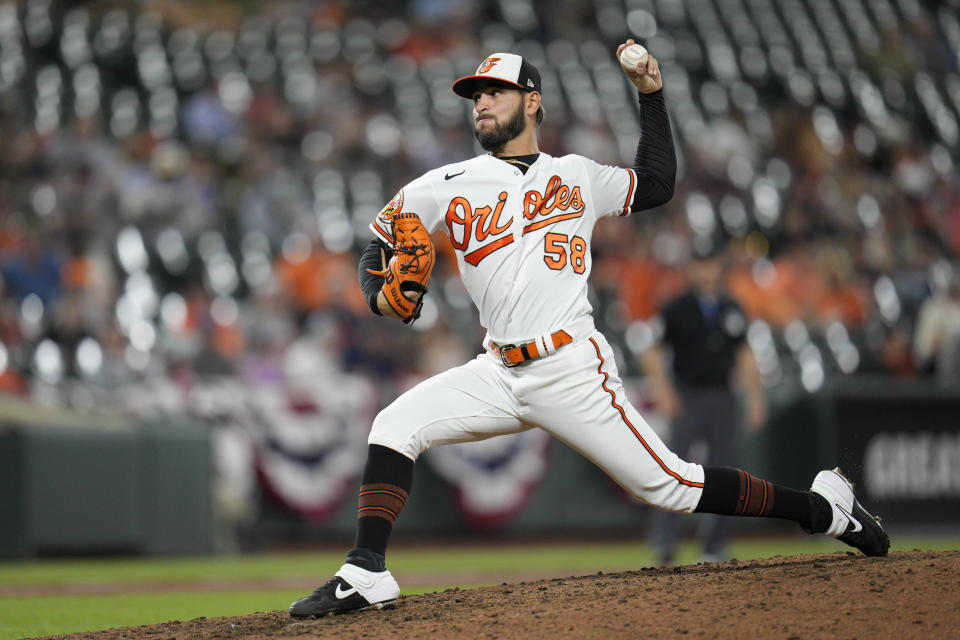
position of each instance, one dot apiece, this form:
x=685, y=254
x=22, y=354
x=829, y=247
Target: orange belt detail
x=514, y=354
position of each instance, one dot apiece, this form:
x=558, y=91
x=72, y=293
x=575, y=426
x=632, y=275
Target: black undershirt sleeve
x=372, y=258
x=656, y=161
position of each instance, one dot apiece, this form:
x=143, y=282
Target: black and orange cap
x=507, y=68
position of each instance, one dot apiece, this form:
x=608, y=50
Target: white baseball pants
x=575, y=394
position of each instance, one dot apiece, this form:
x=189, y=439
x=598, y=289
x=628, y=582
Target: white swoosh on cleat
x=343, y=594
x=856, y=523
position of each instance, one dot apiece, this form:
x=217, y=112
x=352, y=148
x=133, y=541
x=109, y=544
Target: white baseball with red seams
x=522, y=242
x=633, y=55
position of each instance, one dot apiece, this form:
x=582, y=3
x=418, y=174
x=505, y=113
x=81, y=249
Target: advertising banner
x=904, y=454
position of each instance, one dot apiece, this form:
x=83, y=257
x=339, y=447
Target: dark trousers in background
x=712, y=416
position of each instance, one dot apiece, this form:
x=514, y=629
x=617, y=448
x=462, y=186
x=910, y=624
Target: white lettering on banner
x=913, y=466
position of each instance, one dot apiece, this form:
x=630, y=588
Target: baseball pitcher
x=521, y=223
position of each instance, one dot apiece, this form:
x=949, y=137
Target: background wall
x=76, y=486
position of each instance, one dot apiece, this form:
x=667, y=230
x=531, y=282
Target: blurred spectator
x=314, y=279
x=33, y=268
x=205, y=120
x=936, y=341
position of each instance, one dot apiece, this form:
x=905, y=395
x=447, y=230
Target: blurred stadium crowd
x=186, y=185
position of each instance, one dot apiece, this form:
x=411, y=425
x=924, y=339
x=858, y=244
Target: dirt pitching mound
x=842, y=595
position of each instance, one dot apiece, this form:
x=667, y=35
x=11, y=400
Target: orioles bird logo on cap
x=486, y=65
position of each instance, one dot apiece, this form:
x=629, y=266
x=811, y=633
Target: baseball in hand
x=633, y=55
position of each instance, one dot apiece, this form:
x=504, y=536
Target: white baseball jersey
x=523, y=248
x=522, y=240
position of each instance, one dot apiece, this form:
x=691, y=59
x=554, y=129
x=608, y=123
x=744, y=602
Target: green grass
x=31, y=616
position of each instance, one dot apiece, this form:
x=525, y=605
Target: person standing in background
x=705, y=329
x=936, y=338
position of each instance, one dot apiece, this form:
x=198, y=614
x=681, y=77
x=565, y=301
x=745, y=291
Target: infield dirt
x=913, y=594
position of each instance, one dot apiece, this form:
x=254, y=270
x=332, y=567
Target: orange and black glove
x=408, y=272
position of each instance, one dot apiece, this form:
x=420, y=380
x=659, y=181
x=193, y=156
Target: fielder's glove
x=408, y=271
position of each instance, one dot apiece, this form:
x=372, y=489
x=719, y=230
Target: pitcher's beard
x=499, y=135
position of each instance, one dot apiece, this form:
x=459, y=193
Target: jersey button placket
x=527, y=180
x=517, y=197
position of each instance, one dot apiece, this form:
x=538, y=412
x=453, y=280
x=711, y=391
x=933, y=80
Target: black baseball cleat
x=851, y=523
x=351, y=589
